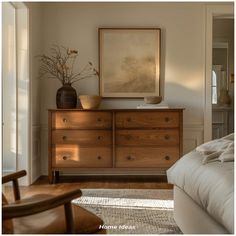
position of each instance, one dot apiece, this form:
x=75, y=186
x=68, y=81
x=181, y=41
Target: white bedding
x=218, y=150
x=210, y=185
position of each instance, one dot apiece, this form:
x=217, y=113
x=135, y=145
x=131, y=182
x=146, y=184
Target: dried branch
x=81, y=78
x=61, y=64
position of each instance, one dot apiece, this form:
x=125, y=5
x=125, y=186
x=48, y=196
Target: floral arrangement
x=60, y=65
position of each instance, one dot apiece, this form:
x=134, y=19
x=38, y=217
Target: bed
x=204, y=188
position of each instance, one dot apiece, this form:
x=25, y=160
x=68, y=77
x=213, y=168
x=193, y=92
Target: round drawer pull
x=128, y=119
x=99, y=119
x=130, y=158
x=167, y=119
x=64, y=138
x=167, y=137
x=99, y=157
x=64, y=120
x=167, y=158
x=64, y=158
x=99, y=137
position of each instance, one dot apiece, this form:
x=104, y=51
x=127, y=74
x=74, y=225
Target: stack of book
x=161, y=105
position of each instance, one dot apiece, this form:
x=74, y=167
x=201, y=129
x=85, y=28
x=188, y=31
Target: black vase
x=66, y=97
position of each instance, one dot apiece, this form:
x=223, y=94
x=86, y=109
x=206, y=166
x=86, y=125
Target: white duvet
x=210, y=185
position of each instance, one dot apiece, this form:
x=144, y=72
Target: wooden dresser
x=116, y=140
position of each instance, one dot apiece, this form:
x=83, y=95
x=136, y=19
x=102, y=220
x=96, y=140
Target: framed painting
x=129, y=62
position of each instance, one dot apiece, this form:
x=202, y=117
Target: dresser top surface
x=122, y=109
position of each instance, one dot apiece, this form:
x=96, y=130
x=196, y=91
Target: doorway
x=222, y=77
x=213, y=11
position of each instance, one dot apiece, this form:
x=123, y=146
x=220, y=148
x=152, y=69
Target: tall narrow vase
x=66, y=97
x=224, y=98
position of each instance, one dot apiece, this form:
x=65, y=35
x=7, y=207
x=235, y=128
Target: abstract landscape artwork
x=129, y=62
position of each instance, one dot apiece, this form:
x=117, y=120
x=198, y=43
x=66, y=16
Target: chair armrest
x=13, y=176
x=25, y=209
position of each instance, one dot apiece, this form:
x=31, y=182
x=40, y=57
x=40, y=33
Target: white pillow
x=229, y=137
x=228, y=154
x=213, y=146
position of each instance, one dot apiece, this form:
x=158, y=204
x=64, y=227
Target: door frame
x=224, y=10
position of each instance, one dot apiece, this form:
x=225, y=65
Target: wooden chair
x=45, y=214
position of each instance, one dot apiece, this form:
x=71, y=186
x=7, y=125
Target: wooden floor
x=111, y=182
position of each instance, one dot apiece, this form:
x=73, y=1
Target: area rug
x=132, y=211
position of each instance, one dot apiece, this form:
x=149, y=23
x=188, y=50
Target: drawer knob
x=130, y=158
x=99, y=119
x=64, y=138
x=99, y=157
x=99, y=137
x=167, y=137
x=128, y=119
x=64, y=158
x=167, y=158
x=64, y=120
x=167, y=119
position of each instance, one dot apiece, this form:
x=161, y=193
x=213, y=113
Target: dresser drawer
x=147, y=137
x=147, y=119
x=71, y=155
x=81, y=120
x=143, y=157
x=83, y=137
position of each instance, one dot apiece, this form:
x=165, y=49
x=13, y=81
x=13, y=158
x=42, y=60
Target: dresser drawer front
x=83, y=137
x=143, y=157
x=81, y=120
x=147, y=119
x=71, y=155
x=147, y=137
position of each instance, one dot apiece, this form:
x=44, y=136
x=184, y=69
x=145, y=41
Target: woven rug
x=132, y=211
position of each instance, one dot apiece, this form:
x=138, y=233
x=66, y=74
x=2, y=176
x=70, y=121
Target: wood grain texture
x=114, y=139
x=69, y=183
x=82, y=137
x=118, y=109
x=14, y=179
x=50, y=172
x=167, y=137
x=33, y=207
x=147, y=119
x=73, y=155
x=81, y=120
x=143, y=157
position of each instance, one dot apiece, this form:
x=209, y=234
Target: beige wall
x=76, y=25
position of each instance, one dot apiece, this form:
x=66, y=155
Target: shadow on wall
x=191, y=99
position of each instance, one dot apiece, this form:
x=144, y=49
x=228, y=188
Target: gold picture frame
x=129, y=62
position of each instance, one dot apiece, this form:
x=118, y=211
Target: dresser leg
x=57, y=176
x=50, y=177
x=54, y=177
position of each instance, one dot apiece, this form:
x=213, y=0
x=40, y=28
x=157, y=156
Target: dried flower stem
x=60, y=65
